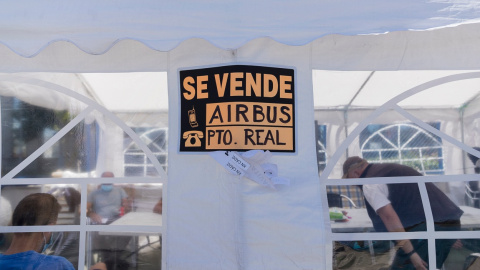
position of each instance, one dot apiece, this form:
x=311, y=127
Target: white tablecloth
x=135, y=218
x=139, y=218
x=360, y=222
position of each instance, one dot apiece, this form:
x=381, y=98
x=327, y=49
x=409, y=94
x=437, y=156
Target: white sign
x=251, y=164
x=231, y=161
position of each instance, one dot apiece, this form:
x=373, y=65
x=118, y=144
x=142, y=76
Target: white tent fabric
x=214, y=220
x=113, y=91
x=94, y=27
x=140, y=99
x=366, y=89
x=449, y=48
x=34, y=93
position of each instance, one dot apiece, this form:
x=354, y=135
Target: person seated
x=104, y=204
x=67, y=243
x=25, y=250
x=103, y=207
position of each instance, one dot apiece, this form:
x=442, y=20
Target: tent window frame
x=9, y=178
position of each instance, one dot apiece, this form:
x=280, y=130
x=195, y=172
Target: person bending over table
x=26, y=247
x=399, y=208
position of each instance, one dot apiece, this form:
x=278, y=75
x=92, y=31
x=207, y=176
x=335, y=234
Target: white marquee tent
x=355, y=63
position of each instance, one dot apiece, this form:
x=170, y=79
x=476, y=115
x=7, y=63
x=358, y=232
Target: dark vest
x=406, y=199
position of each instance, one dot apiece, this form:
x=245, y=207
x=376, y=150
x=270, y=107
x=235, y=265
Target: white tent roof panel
x=95, y=26
x=453, y=95
x=328, y=85
x=375, y=94
x=135, y=91
x=359, y=89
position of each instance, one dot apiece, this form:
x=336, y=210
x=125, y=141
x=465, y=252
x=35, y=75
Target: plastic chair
x=335, y=200
x=472, y=195
x=472, y=262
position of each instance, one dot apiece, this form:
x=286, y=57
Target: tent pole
x=345, y=126
x=462, y=133
x=347, y=107
x=462, y=130
x=1, y=150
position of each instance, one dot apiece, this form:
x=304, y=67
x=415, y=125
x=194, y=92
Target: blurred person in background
x=66, y=244
x=104, y=204
x=25, y=251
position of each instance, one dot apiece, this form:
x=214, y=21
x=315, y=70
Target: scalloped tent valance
x=95, y=27
x=453, y=47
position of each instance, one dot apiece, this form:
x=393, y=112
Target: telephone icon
x=193, y=138
x=192, y=118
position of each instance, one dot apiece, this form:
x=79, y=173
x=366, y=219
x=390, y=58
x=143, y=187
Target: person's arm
x=92, y=215
x=158, y=207
x=393, y=224
x=126, y=201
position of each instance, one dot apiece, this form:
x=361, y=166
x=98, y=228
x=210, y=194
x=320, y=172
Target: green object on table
x=336, y=215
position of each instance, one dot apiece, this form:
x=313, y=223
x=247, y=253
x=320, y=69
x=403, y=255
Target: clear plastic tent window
x=399, y=131
x=107, y=176
x=432, y=138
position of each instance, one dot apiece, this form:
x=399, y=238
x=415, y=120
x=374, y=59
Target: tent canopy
x=126, y=56
x=113, y=90
x=370, y=89
x=162, y=25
